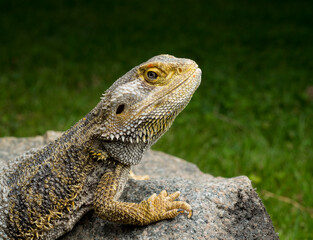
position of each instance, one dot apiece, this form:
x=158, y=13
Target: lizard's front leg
x=155, y=208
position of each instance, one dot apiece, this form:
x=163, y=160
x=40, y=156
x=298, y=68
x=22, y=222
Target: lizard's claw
x=164, y=206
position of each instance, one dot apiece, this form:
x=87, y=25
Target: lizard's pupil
x=152, y=75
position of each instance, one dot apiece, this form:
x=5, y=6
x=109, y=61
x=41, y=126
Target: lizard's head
x=141, y=105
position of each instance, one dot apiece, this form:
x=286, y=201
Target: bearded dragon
x=46, y=191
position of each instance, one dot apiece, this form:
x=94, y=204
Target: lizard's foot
x=163, y=206
x=132, y=175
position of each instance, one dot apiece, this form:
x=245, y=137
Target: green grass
x=251, y=116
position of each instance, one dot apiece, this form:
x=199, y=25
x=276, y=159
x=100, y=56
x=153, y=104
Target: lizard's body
x=45, y=192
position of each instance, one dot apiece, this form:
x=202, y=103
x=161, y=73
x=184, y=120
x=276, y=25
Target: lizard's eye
x=152, y=75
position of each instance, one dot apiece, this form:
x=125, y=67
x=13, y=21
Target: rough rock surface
x=223, y=208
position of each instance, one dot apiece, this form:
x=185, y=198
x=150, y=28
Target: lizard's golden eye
x=152, y=75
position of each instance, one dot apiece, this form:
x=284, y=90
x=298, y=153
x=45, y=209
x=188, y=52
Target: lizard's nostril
x=120, y=109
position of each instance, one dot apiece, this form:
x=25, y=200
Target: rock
x=222, y=208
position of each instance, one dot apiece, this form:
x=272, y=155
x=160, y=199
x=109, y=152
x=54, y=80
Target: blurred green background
x=252, y=114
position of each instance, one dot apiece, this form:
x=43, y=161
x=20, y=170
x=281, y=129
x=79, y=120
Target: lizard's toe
x=163, y=194
x=170, y=214
x=172, y=196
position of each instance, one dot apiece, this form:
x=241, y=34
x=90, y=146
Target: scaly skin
x=45, y=192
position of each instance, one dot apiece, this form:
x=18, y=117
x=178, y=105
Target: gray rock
x=223, y=208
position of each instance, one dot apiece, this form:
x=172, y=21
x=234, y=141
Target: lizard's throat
x=125, y=152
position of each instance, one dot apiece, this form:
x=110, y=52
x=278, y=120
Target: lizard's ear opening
x=120, y=109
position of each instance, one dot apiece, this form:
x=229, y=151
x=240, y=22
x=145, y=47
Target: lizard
x=46, y=191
